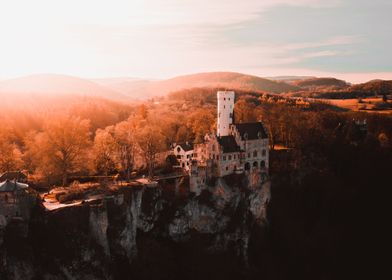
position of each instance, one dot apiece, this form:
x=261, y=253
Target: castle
x=235, y=148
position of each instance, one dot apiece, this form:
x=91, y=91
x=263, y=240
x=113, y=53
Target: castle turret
x=225, y=112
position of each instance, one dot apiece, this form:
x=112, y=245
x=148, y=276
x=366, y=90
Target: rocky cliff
x=143, y=232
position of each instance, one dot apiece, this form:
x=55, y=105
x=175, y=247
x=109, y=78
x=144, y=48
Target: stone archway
x=247, y=166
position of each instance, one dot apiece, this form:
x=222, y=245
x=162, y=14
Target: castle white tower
x=225, y=112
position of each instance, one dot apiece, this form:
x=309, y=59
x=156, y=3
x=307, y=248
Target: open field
x=372, y=104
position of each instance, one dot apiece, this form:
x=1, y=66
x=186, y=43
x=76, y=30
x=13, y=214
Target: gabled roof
x=252, y=131
x=186, y=146
x=11, y=175
x=11, y=186
x=228, y=144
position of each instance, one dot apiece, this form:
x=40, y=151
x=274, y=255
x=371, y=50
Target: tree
x=61, y=148
x=104, y=149
x=124, y=137
x=244, y=111
x=200, y=123
x=11, y=157
x=150, y=142
x=10, y=154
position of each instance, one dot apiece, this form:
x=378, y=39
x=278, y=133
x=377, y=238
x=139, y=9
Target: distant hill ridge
x=322, y=82
x=53, y=84
x=133, y=88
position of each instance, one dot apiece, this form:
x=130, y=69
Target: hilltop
x=231, y=80
x=49, y=85
x=321, y=84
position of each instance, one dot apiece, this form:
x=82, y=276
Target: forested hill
x=323, y=83
x=131, y=89
x=224, y=80
x=374, y=87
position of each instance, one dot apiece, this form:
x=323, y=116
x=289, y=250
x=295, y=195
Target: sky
x=348, y=39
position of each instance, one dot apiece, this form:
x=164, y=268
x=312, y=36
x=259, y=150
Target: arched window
x=263, y=152
x=262, y=163
x=178, y=149
x=247, y=166
x=255, y=154
x=255, y=164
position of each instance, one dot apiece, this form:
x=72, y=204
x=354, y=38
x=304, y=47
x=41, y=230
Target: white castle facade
x=235, y=148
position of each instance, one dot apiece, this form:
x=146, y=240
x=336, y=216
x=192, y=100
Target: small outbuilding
x=19, y=176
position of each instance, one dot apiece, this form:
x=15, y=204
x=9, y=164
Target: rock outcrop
x=125, y=233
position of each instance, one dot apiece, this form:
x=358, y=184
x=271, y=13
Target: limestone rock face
x=106, y=239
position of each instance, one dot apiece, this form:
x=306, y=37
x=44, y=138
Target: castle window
x=264, y=153
x=235, y=156
x=262, y=163
x=255, y=154
x=248, y=155
x=229, y=157
x=178, y=149
x=224, y=157
x=227, y=168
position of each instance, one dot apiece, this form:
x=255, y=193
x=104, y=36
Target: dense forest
x=92, y=136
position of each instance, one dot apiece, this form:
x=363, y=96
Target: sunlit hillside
x=143, y=88
x=49, y=85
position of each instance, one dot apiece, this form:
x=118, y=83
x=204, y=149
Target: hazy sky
x=350, y=39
